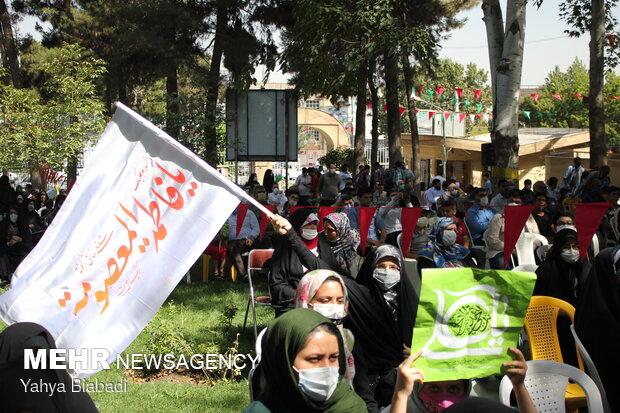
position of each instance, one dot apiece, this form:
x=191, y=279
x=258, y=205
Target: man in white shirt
x=572, y=176
x=500, y=200
x=276, y=197
x=434, y=192
x=303, y=185
x=344, y=175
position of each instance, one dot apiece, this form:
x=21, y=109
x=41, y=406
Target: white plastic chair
x=592, y=372
x=546, y=382
x=526, y=268
x=258, y=349
x=411, y=266
x=595, y=247
x=541, y=252
x=525, y=247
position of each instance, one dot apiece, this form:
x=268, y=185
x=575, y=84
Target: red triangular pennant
x=242, y=209
x=292, y=209
x=369, y=105
x=419, y=90
x=384, y=108
x=614, y=97
x=439, y=90
x=578, y=95
x=446, y=115
x=323, y=212
x=408, y=219
x=461, y=117
x=365, y=218
x=558, y=97
x=587, y=219
x=459, y=92
x=477, y=93
x=534, y=96
x=264, y=220
x=417, y=111
x=431, y=114
x=401, y=110
x=514, y=221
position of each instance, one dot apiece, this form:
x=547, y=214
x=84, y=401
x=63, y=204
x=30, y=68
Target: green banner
x=467, y=319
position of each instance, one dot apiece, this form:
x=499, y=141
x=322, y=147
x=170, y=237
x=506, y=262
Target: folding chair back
x=526, y=245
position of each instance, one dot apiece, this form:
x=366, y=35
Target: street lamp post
x=443, y=127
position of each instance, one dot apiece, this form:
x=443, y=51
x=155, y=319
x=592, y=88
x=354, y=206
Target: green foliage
x=52, y=125
x=571, y=112
x=339, y=156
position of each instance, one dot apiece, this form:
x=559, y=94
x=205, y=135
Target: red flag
x=369, y=105
x=614, y=97
x=417, y=111
x=514, y=221
x=478, y=115
x=534, y=96
x=558, y=97
x=401, y=110
x=431, y=114
x=461, y=117
x=439, y=90
x=587, y=219
x=292, y=209
x=323, y=212
x=384, y=108
x=446, y=115
x=366, y=214
x=578, y=95
x=478, y=93
x=419, y=90
x=264, y=220
x=459, y=92
x=408, y=219
x=242, y=209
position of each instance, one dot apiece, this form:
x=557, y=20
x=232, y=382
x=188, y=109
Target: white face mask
x=561, y=227
x=309, y=234
x=570, y=256
x=448, y=238
x=320, y=383
x=484, y=200
x=331, y=311
x=386, y=277
x=348, y=205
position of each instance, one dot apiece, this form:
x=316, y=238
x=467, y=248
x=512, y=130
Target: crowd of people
x=370, y=298
x=345, y=312
x=25, y=213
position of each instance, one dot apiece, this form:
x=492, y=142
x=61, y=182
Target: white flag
x=137, y=218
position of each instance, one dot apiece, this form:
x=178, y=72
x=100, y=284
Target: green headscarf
x=285, y=337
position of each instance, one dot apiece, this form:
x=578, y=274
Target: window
x=312, y=104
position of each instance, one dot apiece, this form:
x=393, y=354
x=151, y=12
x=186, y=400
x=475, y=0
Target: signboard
x=467, y=318
x=261, y=125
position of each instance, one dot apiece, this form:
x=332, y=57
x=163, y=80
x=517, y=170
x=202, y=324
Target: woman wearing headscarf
x=298, y=250
x=7, y=194
x=597, y=320
x=562, y=275
x=382, y=311
x=15, y=242
x=268, y=180
x=342, y=239
x=442, y=251
x=15, y=396
x=304, y=367
x=324, y=291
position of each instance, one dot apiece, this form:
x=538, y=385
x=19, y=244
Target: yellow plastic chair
x=541, y=327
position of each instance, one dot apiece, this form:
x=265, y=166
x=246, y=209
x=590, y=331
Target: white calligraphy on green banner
x=467, y=319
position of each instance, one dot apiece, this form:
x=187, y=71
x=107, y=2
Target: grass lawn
x=195, y=312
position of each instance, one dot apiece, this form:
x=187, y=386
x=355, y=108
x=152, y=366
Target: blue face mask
x=320, y=383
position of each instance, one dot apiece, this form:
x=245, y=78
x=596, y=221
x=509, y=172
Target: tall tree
x=595, y=17
x=10, y=56
x=506, y=62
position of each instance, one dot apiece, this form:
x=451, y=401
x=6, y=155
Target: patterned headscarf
x=344, y=248
x=438, y=252
x=307, y=289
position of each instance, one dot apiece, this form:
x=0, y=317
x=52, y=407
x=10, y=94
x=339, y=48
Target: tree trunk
x=505, y=133
x=213, y=84
x=598, y=141
x=172, y=102
x=374, y=99
x=360, y=118
x=393, y=115
x=494, y=22
x=10, y=55
x=413, y=119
